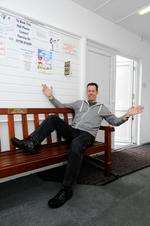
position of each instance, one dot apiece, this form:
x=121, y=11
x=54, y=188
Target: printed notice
x=23, y=32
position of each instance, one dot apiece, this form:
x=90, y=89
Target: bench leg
x=108, y=161
x=105, y=164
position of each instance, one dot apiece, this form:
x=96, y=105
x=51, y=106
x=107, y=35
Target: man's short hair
x=93, y=84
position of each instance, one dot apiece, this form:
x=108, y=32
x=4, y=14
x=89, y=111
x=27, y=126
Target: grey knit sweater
x=88, y=118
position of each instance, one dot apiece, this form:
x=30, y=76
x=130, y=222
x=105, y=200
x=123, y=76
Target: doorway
x=125, y=97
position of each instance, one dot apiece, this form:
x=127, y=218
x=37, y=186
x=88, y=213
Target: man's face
x=92, y=93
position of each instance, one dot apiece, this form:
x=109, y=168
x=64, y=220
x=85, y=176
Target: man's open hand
x=134, y=110
x=47, y=91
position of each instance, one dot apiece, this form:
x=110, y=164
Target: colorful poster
x=44, y=63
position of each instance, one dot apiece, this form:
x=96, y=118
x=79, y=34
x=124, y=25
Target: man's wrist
x=50, y=97
x=126, y=116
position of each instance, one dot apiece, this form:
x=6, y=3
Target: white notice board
x=32, y=53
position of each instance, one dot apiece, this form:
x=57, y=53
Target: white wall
x=69, y=16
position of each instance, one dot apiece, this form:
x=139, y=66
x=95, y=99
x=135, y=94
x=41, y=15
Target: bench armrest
x=107, y=137
x=107, y=128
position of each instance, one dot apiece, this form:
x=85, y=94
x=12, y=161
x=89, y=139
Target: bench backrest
x=66, y=113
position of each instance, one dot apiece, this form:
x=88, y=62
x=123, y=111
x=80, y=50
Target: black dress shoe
x=26, y=145
x=60, y=198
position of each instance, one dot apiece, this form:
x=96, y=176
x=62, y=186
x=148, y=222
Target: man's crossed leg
x=79, y=141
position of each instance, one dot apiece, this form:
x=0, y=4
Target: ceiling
x=123, y=13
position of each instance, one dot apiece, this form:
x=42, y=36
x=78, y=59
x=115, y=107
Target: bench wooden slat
x=48, y=110
x=6, y=111
x=36, y=120
x=11, y=129
x=24, y=126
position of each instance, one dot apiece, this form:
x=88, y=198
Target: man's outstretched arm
x=134, y=110
x=48, y=92
x=117, y=121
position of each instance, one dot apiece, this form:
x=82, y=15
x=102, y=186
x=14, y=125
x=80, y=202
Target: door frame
x=137, y=92
x=137, y=87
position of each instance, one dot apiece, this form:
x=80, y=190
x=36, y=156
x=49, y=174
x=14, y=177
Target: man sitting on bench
x=81, y=134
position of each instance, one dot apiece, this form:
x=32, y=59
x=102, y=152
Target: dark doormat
x=124, y=162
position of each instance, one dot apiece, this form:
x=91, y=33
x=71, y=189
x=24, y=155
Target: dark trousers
x=79, y=141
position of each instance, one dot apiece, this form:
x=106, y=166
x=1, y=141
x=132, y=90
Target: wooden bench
x=13, y=162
